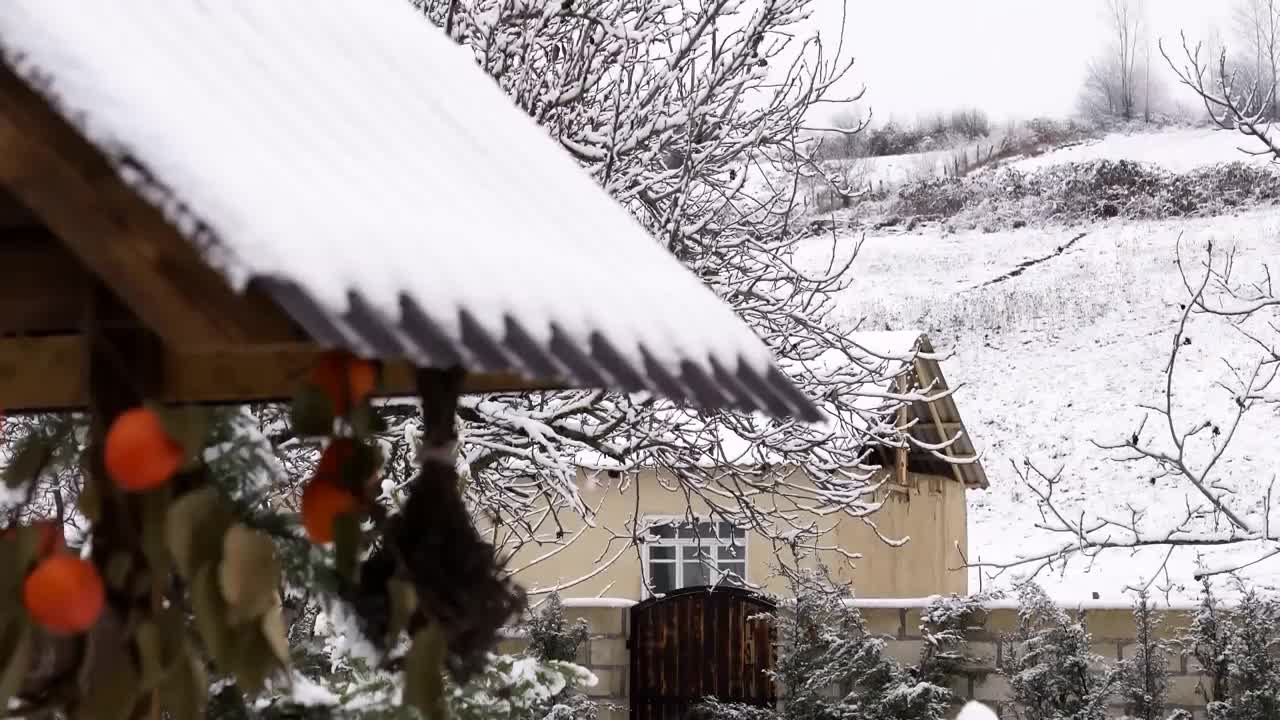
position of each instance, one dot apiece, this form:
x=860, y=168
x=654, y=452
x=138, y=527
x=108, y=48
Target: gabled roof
x=915, y=366
x=892, y=364
x=884, y=367
x=351, y=162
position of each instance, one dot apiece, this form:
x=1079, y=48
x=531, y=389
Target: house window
x=681, y=553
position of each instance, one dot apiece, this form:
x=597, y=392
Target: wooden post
x=900, y=453
x=124, y=367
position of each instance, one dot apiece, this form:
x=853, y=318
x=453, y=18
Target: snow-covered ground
x=889, y=171
x=1062, y=355
x=893, y=170
x=1175, y=150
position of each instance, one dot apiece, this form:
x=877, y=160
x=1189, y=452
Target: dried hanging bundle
x=433, y=546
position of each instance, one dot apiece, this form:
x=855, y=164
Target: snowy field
x=1175, y=150
x=1062, y=355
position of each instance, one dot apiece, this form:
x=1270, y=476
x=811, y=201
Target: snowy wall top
x=359, y=166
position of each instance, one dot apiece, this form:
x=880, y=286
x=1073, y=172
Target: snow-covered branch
x=1184, y=454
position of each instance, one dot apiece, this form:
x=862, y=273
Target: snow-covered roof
x=875, y=364
x=359, y=166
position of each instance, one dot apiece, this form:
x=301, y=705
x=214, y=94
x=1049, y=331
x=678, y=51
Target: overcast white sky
x=1009, y=57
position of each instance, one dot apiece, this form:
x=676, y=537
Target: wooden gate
x=696, y=643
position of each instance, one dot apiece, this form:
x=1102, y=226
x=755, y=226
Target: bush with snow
x=831, y=667
x=1052, y=673
x=1078, y=192
x=551, y=636
x=1237, y=648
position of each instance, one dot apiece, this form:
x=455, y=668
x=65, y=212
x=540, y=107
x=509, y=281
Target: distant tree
x=1256, y=26
x=1126, y=24
x=551, y=637
x=1099, y=96
x=970, y=123
x=1208, y=640
x=1117, y=83
x=844, y=138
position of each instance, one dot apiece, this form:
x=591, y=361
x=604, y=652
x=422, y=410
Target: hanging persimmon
x=140, y=453
x=323, y=500
x=335, y=457
x=64, y=594
x=344, y=378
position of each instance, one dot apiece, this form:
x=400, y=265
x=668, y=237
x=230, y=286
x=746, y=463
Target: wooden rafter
x=48, y=374
x=63, y=180
x=927, y=379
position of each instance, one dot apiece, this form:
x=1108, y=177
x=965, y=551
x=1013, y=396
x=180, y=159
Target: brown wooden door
x=697, y=643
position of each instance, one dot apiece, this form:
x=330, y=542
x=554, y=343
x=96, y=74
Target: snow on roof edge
x=130, y=87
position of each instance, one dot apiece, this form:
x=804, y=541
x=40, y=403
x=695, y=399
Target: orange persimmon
x=344, y=378
x=140, y=454
x=323, y=500
x=64, y=594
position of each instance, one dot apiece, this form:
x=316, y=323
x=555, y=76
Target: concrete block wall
x=607, y=656
x=1112, y=634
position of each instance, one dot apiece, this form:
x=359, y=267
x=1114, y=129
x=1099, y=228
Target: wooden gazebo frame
x=78, y=245
x=111, y=297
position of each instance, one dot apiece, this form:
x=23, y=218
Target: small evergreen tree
x=826, y=646
x=944, y=626
x=1247, y=658
x=1144, y=678
x=551, y=637
x=831, y=667
x=1050, y=668
x=555, y=642
x=1208, y=640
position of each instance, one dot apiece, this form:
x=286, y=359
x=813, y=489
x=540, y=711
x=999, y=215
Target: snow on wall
x=598, y=602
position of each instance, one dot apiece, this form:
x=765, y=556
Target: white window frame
x=711, y=543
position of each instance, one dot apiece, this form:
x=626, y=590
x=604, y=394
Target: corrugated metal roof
x=359, y=167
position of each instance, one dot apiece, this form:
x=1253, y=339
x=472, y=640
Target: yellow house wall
x=931, y=513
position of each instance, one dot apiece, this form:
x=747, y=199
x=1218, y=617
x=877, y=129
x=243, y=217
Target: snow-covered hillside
x=1174, y=150
x=1063, y=354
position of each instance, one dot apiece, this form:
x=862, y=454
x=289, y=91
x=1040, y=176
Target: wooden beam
x=47, y=373
x=900, y=454
x=44, y=289
x=119, y=237
x=950, y=428
x=13, y=214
